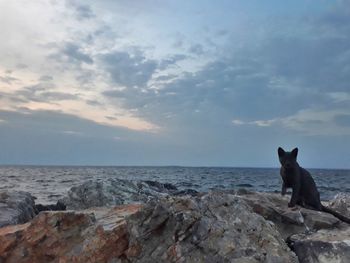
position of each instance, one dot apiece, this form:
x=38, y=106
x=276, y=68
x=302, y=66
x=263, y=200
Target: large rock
x=113, y=192
x=16, y=208
x=289, y=221
x=324, y=246
x=341, y=203
x=214, y=227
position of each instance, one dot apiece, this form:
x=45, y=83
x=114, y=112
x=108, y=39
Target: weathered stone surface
x=324, y=246
x=289, y=221
x=89, y=236
x=341, y=204
x=16, y=208
x=117, y=192
x=214, y=227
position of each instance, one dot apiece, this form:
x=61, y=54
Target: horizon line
x=162, y=166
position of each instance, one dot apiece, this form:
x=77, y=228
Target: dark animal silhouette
x=59, y=206
x=304, y=192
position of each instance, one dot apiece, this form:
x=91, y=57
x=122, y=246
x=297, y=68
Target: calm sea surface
x=49, y=183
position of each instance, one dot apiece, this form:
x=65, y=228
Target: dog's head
x=287, y=159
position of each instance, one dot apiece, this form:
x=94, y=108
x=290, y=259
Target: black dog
x=305, y=192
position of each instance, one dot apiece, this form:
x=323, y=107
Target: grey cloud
x=337, y=18
x=8, y=79
x=343, y=120
x=277, y=77
x=196, y=49
x=56, y=96
x=132, y=98
x=41, y=92
x=129, y=70
x=82, y=11
x=166, y=77
x=21, y=66
x=12, y=97
x=178, y=43
x=94, y=103
x=111, y=118
x=71, y=53
x=45, y=78
x=165, y=63
x=52, y=137
x=86, y=77
x=222, y=32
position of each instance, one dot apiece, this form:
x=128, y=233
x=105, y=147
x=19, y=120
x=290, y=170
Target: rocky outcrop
x=341, y=204
x=324, y=246
x=114, y=192
x=315, y=237
x=156, y=222
x=16, y=208
x=274, y=207
x=214, y=227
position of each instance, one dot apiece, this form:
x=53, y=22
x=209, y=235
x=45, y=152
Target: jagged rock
x=324, y=246
x=113, y=192
x=289, y=221
x=214, y=227
x=16, y=207
x=88, y=236
x=341, y=203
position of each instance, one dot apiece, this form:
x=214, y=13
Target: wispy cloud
x=308, y=122
x=182, y=76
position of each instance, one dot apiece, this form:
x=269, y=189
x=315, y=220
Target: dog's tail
x=336, y=214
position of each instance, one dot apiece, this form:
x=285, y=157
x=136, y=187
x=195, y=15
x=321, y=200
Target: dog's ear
x=295, y=152
x=281, y=152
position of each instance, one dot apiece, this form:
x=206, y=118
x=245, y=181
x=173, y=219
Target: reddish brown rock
x=214, y=227
x=68, y=237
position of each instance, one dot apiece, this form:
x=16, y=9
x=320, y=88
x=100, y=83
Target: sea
x=50, y=183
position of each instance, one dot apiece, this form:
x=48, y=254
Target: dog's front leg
x=295, y=195
x=284, y=189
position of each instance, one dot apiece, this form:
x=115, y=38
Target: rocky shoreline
x=145, y=221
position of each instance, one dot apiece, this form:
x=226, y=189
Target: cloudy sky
x=154, y=82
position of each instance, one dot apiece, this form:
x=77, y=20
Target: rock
x=16, y=207
x=341, y=204
x=214, y=227
x=324, y=246
x=59, y=206
x=116, y=192
x=89, y=236
x=289, y=221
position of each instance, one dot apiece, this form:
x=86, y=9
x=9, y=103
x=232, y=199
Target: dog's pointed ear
x=295, y=152
x=281, y=152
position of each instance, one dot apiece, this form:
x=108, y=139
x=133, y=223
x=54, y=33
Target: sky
x=169, y=82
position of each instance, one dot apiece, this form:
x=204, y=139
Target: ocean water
x=49, y=183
